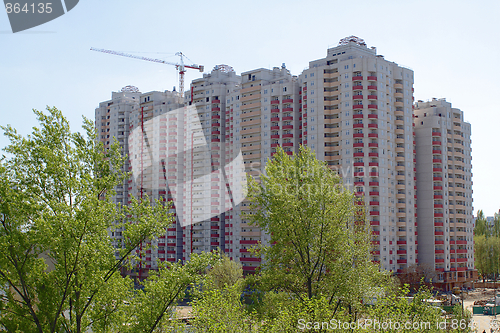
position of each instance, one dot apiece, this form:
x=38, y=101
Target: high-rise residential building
x=353, y=107
x=112, y=120
x=262, y=113
x=357, y=116
x=210, y=198
x=444, y=192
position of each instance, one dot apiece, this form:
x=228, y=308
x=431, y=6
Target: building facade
x=357, y=116
x=353, y=108
x=444, y=183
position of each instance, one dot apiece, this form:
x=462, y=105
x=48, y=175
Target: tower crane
x=181, y=67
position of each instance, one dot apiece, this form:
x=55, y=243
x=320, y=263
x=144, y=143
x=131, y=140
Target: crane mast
x=181, y=67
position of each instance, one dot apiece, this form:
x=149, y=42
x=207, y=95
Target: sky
x=452, y=47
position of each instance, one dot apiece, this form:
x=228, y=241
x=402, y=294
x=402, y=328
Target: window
x=346, y=67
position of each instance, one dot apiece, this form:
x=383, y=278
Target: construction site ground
x=483, y=322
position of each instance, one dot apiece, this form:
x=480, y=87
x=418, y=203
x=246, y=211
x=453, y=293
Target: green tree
x=152, y=307
x=225, y=272
x=320, y=239
x=481, y=227
x=58, y=266
x=221, y=311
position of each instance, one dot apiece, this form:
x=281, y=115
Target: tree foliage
x=58, y=266
x=320, y=241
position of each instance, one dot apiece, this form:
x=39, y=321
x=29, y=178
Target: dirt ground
x=184, y=311
x=482, y=322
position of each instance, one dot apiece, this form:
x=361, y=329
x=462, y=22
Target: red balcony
x=372, y=116
x=216, y=132
x=357, y=125
x=216, y=101
x=357, y=106
x=287, y=109
x=436, y=143
x=437, y=169
x=275, y=136
x=437, y=187
x=275, y=102
x=461, y=242
x=215, y=117
x=215, y=109
x=250, y=259
x=372, y=87
x=287, y=144
x=287, y=118
x=436, y=151
x=372, y=106
x=438, y=179
x=373, y=174
x=371, y=78
x=374, y=193
x=357, y=116
x=247, y=242
x=288, y=135
x=357, y=97
x=275, y=118
x=358, y=144
x=375, y=232
x=438, y=214
x=273, y=145
x=373, y=154
x=357, y=78
x=374, y=222
x=373, y=184
x=439, y=251
x=461, y=269
x=438, y=224
x=374, y=203
x=437, y=160
x=358, y=154
x=461, y=259
x=402, y=261
x=436, y=133
x=359, y=183
x=438, y=233
x=358, y=87
x=275, y=110
x=357, y=135
x=438, y=196
x=373, y=135
x=275, y=127
x=438, y=242
x=215, y=140
x=373, y=164
x=287, y=126
x=372, y=144
x=401, y=251
x=357, y=164
x=374, y=213
x=439, y=260
x=401, y=242
x=288, y=100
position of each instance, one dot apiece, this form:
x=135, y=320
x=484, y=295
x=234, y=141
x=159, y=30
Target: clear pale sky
x=452, y=46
